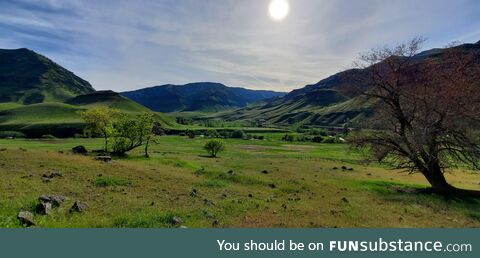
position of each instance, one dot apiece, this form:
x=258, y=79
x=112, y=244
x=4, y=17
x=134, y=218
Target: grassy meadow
x=253, y=183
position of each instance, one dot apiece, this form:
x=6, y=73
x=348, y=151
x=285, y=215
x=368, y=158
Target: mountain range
x=38, y=97
x=324, y=103
x=200, y=96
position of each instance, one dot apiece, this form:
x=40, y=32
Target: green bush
x=238, y=134
x=331, y=140
x=11, y=134
x=213, y=147
x=288, y=137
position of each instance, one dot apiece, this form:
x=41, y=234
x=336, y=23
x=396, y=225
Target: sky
x=125, y=45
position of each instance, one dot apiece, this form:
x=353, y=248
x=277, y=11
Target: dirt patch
x=298, y=147
x=254, y=147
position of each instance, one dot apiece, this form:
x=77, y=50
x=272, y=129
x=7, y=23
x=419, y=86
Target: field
x=252, y=183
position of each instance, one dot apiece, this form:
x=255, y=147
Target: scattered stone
x=345, y=200
x=335, y=168
x=344, y=168
x=336, y=212
x=80, y=149
x=273, y=186
x=104, y=158
x=26, y=218
x=350, y=169
x=264, y=172
x=231, y=173
x=79, y=206
x=250, y=195
x=284, y=206
x=208, y=202
x=55, y=200
x=46, y=180
x=183, y=227
x=44, y=208
x=215, y=223
x=194, y=192
x=176, y=220
x=369, y=174
x=55, y=174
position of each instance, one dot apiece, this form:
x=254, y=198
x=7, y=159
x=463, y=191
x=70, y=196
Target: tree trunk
x=106, y=142
x=440, y=185
x=146, y=149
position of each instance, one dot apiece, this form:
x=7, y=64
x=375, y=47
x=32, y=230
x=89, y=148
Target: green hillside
x=62, y=119
x=28, y=78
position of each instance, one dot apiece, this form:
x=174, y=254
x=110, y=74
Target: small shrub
x=331, y=140
x=238, y=134
x=288, y=137
x=213, y=147
x=317, y=139
x=190, y=134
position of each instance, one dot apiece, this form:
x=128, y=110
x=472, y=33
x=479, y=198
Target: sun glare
x=279, y=9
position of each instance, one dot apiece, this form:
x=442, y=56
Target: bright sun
x=278, y=9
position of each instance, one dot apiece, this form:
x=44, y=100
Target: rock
x=250, y=195
x=231, y=173
x=335, y=168
x=80, y=149
x=55, y=200
x=350, y=169
x=46, y=180
x=284, y=206
x=176, y=220
x=79, y=206
x=345, y=200
x=26, y=218
x=369, y=174
x=55, y=174
x=153, y=203
x=264, y=172
x=224, y=195
x=336, y=212
x=344, y=168
x=44, y=208
x=273, y=186
x=194, y=192
x=183, y=227
x=215, y=223
x=104, y=158
x=208, y=202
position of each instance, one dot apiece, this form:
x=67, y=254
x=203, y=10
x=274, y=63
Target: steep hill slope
x=325, y=103
x=27, y=78
x=204, y=96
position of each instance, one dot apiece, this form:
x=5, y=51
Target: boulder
x=55, y=200
x=44, y=208
x=26, y=218
x=104, y=158
x=176, y=220
x=79, y=207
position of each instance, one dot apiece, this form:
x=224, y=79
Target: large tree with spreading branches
x=427, y=111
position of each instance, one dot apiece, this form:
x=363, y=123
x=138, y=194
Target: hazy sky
x=124, y=44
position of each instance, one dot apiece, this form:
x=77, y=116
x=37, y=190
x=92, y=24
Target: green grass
x=110, y=181
x=300, y=188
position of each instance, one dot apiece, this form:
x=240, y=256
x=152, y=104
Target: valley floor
x=253, y=183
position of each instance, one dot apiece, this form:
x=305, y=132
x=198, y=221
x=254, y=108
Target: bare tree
x=427, y=110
